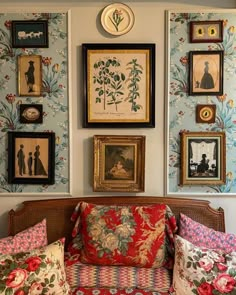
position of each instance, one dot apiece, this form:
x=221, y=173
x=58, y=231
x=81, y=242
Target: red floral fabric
x=96, y=291
x=125, y=235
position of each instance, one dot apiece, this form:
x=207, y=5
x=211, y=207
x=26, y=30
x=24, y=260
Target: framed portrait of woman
x=206, y=72
x=29, y=75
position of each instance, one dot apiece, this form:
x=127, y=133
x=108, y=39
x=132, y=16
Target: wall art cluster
x=34, y=125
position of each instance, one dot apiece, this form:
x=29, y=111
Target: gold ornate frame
x=119, y=163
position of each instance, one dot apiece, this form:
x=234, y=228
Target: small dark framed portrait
x=31, y=157
x=31, y=113
x=29, y=33
x=206, y=31
x=206, y=72
x=205, y=113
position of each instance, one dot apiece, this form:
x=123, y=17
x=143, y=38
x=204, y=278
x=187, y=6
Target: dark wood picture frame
x=29, y=75
x=205, y=113
x=31, y=157
x=119, y=163
x=203, y=158
x=206, y=72
x=29, y=33
x=119, y=85
x=31, y=113
x=206, y=31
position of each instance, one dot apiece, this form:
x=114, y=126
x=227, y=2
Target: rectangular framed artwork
x=206, y=72
x=31, y=157
x=119, y=163
x=29, y=33
x=119, y=85
x=29, y=75
x=206, y=31
x=203, y=158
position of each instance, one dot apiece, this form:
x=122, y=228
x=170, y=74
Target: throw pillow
x=203, y=236
x=29, y=239
x=40, y=271
x=116, y=277
x=125, y=235
x=203, y=271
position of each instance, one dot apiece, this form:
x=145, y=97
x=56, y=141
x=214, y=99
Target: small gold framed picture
x=205, y=113
x=206, y=31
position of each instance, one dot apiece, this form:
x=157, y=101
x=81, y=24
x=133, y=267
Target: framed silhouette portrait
x=31, y=157
x=206, y=72
x=29, y=75
x=203, y=159
x=206, y=31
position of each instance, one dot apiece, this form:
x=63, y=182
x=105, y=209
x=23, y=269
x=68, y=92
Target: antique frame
x=203, y=158
x=119, y=163
x=31, y=157
x=206, y=31
x=29, y=33
x=119, y=85
x=29, y=75
x=206, y=72
x=31, y=113
x=205, y=113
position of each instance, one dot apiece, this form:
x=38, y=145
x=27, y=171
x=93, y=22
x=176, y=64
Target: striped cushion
x=121, y=277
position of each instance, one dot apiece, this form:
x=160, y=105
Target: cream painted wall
x=85, y=26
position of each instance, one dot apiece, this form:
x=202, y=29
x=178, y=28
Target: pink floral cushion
x=203, y=236
x=118, y=277
x=203, y=271
x=29, y=239
x=125, y=235
x=40, y=271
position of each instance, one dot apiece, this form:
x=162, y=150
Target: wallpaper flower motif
x=182, y=106
x=54, y=96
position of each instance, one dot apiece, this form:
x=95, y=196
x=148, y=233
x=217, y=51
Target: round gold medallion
x=205, y=113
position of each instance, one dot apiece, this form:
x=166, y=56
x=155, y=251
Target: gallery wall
x=84, y=27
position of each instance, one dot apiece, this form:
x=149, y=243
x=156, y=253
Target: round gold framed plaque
x=205, y=113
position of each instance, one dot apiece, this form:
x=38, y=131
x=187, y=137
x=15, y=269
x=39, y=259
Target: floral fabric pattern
x=124, y=235
x=29, y=239
x=202, y=236
x=40, y=271
x=114, y=291
x=202, y=271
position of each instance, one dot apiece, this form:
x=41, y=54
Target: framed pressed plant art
x=119, y=85
x=119, y=163
x=206, y=72
x=203, y=158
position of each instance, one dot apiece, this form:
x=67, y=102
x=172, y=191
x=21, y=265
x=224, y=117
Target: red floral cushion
x=124, y=235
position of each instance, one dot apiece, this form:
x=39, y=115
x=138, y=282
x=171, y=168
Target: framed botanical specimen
x=206, y=72
x=119, y=163
x=31, y=157
x=119, y=85
x=31, y=113
x=202, y=158
x=205, y=113
x=206, y=31
x=29, y=75
x=29, y=33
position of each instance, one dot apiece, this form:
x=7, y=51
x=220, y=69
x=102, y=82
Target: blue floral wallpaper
x=54, y=97
x=182, y=106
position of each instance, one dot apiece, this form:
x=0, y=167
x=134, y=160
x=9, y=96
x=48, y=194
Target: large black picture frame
x=119, y=85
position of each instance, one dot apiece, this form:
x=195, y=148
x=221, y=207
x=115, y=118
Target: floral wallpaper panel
x=182, y=106
x=54, y=97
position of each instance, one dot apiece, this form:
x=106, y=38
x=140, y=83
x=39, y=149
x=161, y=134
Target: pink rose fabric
x=29, y=239
x=203, y=271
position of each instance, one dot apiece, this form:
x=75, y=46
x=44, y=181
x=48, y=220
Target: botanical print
x=54, y=97
x=118, y=85
x=182, y=106
x=116, y=18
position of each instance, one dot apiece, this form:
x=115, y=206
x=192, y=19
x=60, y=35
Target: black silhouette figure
x=21, y=160
x=29, y=76
x=207, y=81
x=203, y=166
x=30, y=163
x=38, y=165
